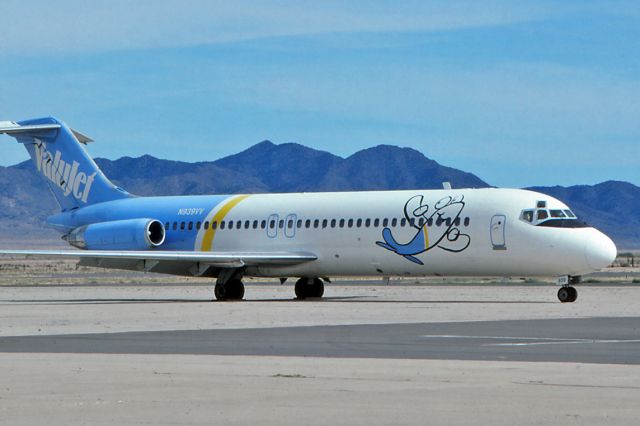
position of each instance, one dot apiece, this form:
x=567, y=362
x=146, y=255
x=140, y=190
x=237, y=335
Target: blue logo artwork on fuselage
x=446, y=233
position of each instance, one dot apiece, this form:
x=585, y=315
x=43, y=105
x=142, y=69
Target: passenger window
x=466, y=221
x=448, y=222
x=190, y=227
x=430, y=221
x=214, y=225
x=421, y=222
x=263, y=224
x=333, y=223
x=166, y=226
x=281, y=224
x=385, y=222
x=307, y=223
x=350, y=223
x=316, y=223
x=456, y=222
x=272, y=224
x=182, y=226
x=439, y=221
x=222, y=225
x=230, y=224
x=206, y=225
x=359, y=223
x=341, y=223
x=542, y=214
x=255, y=224
x=367, y=223
x=403, y=222
x=290, y=224
x=198, y=224
x=175, y=225
x=299, y=224
x=376, y=222
x=324, y=223
x=394, y=222
x=412, y=221
x=247, y=223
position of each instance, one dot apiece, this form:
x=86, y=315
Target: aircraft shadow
x=98, y=301
x=337, y=299
x=358, y=299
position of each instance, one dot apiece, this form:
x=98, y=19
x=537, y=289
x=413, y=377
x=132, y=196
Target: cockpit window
x=527, y=216
x=555, y=218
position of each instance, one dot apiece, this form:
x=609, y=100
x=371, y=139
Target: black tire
x=573, y=294
x=302, y=289
x=220, y=291
x=317, y=288
x=305, y=289
x=564, y=294
x=235, y=288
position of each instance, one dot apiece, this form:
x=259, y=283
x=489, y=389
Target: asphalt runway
x=585, y=340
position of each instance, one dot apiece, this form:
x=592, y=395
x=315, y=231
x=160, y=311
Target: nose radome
x=600, y=251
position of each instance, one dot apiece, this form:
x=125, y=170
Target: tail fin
x=71, y=174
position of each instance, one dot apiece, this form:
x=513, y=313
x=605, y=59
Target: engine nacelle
x=131, y=234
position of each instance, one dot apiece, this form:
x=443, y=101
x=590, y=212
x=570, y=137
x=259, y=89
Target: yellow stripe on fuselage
x=207, y=240
x=426, y=237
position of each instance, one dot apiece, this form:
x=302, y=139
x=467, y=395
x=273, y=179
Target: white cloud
x=77, y=26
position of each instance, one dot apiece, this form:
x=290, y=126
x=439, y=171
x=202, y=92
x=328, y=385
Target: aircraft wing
x=176, y=262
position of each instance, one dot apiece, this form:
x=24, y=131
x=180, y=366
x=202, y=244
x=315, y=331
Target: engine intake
x=130, y=234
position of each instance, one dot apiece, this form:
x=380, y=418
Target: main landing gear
x=309, y=287
x=567, y=293
x=229, y=286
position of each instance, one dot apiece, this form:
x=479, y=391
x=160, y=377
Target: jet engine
x=130, y=234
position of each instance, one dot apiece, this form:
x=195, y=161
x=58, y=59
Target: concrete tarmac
x=368, y=354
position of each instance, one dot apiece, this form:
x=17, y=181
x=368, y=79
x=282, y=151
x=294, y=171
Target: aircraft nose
x=599, y=250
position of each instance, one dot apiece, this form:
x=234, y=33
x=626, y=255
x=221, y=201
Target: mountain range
x=613, y=207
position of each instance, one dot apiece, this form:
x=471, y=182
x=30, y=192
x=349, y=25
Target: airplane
x=309, y=236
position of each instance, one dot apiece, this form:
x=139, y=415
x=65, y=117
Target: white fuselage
x=471, y=232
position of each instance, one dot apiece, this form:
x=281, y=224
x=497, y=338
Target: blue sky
x=519, y=93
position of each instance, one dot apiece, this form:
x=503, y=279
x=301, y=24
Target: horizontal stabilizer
x=12, y=128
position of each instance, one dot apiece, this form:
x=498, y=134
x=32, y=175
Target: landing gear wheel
x=567, y=294
x=317, y=288
x=231, y=290
x=220, y=291
x=306, y=287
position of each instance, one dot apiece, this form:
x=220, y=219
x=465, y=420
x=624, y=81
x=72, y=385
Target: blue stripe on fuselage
x=193, y=208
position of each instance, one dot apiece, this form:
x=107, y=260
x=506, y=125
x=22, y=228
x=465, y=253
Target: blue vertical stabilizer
x=57, y=152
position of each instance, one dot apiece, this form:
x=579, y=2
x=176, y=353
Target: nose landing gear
x=567, y=294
